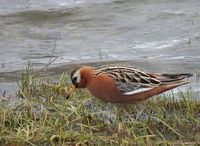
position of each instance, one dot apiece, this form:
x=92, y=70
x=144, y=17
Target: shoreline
x=8, y=80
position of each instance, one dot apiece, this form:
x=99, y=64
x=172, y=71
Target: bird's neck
x=87, y=75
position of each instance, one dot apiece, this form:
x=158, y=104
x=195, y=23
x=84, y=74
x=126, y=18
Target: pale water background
x=157, y=35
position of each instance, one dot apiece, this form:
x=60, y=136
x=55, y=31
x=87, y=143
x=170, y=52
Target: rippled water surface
x=94, y=30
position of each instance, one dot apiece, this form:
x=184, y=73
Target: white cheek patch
x=77, y=75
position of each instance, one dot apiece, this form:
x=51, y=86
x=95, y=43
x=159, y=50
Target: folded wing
x=132, y=81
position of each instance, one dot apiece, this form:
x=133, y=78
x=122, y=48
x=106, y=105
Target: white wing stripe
x=137, y=91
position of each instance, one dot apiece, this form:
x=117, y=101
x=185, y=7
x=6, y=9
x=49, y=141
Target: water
x=93, y=30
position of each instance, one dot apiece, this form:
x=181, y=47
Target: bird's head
x=77, y=78
x=81, y=77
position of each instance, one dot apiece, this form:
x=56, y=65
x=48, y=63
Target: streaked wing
x=130, y=80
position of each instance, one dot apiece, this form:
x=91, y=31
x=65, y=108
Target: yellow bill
x=71, y=90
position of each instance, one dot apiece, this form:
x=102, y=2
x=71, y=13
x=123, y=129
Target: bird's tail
x=188, y=75
x=173, y=78
x=168, y=82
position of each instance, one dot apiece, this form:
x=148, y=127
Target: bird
x=116, y=83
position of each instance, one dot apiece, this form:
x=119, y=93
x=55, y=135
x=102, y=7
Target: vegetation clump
x=41, y=115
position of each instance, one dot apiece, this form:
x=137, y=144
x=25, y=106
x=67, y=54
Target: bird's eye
x=74, y=80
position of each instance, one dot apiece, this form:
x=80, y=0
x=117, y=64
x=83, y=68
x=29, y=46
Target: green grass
x=41, y=115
